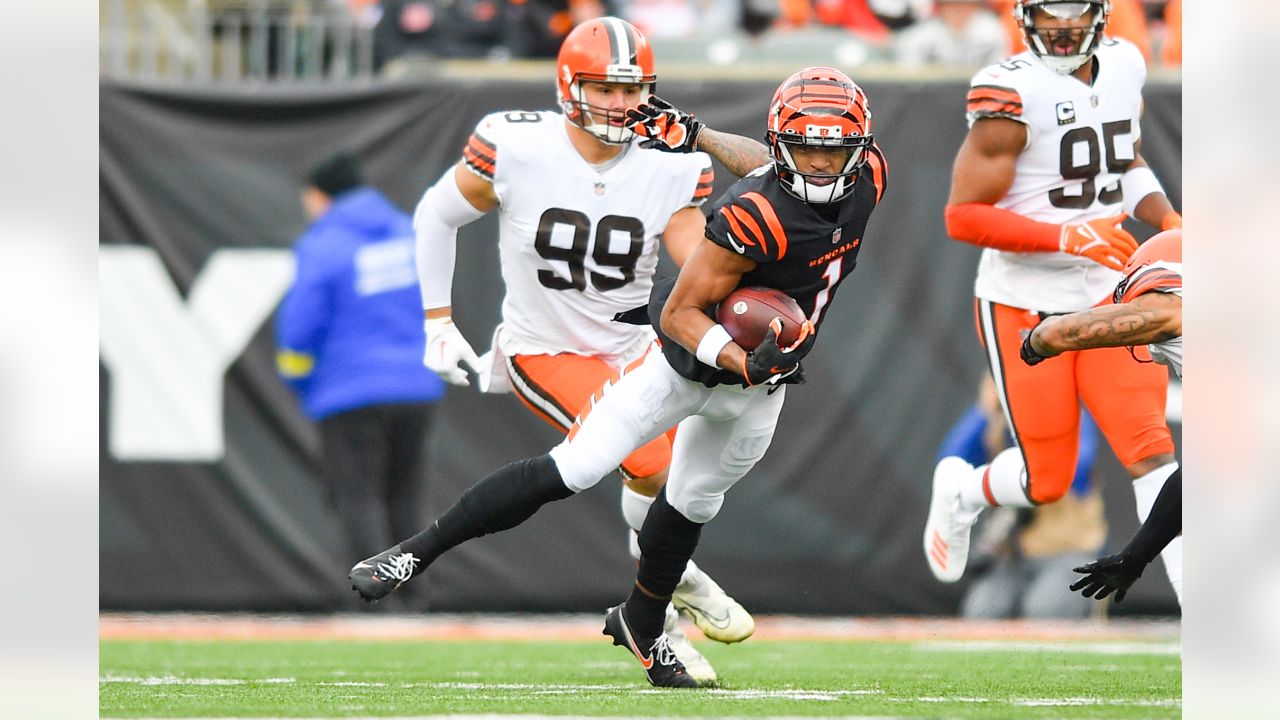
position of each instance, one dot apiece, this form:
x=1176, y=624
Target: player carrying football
x=774, y=228
x=582, y=211
x=1048, y=171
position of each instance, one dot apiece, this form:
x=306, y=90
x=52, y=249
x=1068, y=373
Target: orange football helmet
x=1164, y=248
x=818, y=107
x=609, y=50
x=1064, y=49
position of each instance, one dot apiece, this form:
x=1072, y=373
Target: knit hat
x=336, y=175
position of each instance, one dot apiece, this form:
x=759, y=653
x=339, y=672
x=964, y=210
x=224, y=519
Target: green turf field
x=323, y=678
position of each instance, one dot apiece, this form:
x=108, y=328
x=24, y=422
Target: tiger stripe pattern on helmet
x=480, y=156
x=994, y=101
x=813, y=92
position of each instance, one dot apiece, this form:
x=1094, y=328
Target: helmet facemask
x=1063, y=49
x=597, y=120
x=817, y=188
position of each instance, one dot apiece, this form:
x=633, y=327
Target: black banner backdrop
x=235, y=519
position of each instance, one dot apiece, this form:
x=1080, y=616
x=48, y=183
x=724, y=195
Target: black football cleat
x=659, y=660
x=374, y=578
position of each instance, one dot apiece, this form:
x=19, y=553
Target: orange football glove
x=1171, y=221
x=665, y=126
x=1102, y=241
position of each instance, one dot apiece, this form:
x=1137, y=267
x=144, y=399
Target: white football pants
x=724, y=431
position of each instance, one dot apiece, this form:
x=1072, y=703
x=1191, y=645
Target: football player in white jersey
x=582, y=211
x=1049, y=169
x=1147, y=311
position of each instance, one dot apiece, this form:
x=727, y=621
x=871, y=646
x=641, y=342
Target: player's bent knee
x=580, y=468
x=1045, y=493
x=697, y=508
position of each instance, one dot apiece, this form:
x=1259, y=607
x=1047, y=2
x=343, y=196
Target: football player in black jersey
x=795, y=225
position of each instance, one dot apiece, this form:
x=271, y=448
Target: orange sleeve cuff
x=989, y=226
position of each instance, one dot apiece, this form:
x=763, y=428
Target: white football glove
x=448, y=352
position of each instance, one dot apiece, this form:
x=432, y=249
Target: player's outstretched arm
x=670, y=129
x=1152, y=317
x=985, y=168
x=739, y=155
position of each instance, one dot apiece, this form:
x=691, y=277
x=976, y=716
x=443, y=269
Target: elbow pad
x=439, y=214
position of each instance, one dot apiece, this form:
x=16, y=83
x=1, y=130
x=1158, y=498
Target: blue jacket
x=349, y=332
x=964, y=440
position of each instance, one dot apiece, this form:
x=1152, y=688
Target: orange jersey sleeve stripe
x=993, y=107
x=482, y=145
x=771, y=220
x=994, y=92
x=481, y=167
x=735, y=227
x=752, y=226
x=702, y=192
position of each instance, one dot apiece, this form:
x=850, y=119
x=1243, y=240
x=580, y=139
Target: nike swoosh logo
x=719, y=622
x=647, y=662
x=363, y=564
x=742, y=249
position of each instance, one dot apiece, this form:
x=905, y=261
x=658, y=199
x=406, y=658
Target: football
x=746, y=313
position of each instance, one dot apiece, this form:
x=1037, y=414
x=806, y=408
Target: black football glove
x=1028, y=353
x=770, y=363
x=1111, y=574
x=666, y=127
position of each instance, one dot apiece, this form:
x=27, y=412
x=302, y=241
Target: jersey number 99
x=575, y=256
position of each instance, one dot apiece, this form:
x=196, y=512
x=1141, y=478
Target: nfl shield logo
x=599, y=188
x=835, y=236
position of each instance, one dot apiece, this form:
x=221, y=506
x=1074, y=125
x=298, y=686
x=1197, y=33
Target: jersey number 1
x=575, y=256
x=1092, y=165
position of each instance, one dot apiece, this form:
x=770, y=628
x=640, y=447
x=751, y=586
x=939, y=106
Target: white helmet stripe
x=620, y=42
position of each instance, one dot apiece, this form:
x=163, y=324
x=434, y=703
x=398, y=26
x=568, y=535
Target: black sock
x=1163, y=524
x=667, y=541
x=507, y=497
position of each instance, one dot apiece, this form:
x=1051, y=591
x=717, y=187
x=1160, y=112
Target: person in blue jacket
x=349, y=342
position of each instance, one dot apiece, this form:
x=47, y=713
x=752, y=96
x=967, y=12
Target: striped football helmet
x=609, y=50
x=818, y=107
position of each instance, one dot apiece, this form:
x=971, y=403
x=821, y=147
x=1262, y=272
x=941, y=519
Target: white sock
x=634, y=509
x=1145, y=490
x=1004, y=479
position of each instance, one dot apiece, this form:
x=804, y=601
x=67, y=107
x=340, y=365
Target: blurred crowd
x=957, y=33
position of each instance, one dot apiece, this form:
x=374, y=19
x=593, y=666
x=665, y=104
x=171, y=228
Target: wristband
x=712, y=342
x=1137, y=183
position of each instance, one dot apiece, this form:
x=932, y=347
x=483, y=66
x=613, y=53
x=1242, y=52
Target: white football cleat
x=694, y=663
x=946, y=534
x=717, y=615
